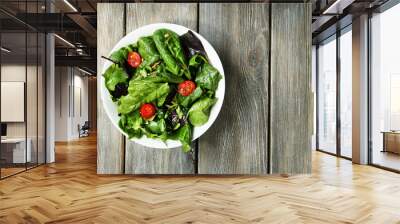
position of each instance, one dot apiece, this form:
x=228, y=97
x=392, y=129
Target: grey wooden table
x=265, y=124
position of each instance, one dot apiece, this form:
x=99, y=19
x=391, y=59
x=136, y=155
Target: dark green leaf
x=184, y=135
x=143, y=91
x=121, y=55
x=208, y=77
x=174, y=45
x=170, y=48
x=148, y=51
x=169, y=60
x=186, y=101
x=168, y=77
x=197, y=60
x=114, y=75
x=131, y=124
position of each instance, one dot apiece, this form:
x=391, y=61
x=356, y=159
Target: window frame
x=336, y=36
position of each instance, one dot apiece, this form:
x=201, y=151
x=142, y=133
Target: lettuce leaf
x=197, y=60
x=170, y=62
x=157, y=127
x=131, y=124
x=121, y=55
x=208, y=77
x=143, y=91
x=187, y=101
x=174, y=45
x=147, y=50
x=200, y=111
x=184, y=135
x=168, y=45
x=114, y=75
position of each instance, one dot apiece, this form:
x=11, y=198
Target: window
x=346, y=92
x=314, y=86
x=335, y=74
x=385, y=88
x=327, y=95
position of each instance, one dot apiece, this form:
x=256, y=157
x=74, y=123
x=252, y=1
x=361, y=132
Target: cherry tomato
x=134, y=59
x=186, y=88
x=147, y=110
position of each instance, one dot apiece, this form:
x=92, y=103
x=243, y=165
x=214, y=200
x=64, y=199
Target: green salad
x=163, y=85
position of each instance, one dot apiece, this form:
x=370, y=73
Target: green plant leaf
x=184, y=135
x=208, y=77
x=147, y=50
x=200, y=111
x=114, y=75
x=143, y=91
x=187, y=101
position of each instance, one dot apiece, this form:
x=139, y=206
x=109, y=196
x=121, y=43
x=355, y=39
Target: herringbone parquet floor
x=69, y=191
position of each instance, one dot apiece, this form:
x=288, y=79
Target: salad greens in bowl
x=163, y=86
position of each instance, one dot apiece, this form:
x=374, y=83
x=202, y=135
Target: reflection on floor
x=386, y=159
x=12, y=169
x=70, y=191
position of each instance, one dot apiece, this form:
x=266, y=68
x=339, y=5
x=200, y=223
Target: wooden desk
x=391, y=141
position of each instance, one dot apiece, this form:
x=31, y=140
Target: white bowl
x=111, y=107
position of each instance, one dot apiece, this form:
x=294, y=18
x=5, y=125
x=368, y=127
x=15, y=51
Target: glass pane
x=41, y=99
x=13, y=88
x=346, y=93
x=32, y=88
x=31, y=97
x=327, y=96
x=386, y=89
x=314, y=86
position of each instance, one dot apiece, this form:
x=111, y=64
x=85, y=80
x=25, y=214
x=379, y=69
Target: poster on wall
x=12, y=101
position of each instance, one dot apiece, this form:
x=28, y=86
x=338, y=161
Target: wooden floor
x=69, y=191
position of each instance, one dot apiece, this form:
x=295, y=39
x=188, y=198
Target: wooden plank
x=110, y=142
x=291, y=88
x=238, y=140
x=143, y=160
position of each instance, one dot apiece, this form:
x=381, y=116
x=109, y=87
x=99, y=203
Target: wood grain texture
x=70, y=191
x=291, y=88
x=237, y=142
x=140, y=159
x=110, y=145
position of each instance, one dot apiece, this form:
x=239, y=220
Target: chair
x=84, y=130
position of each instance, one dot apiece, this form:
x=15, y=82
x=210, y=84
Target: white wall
x=79, y=111
x=71, y=102
x=61, y=103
